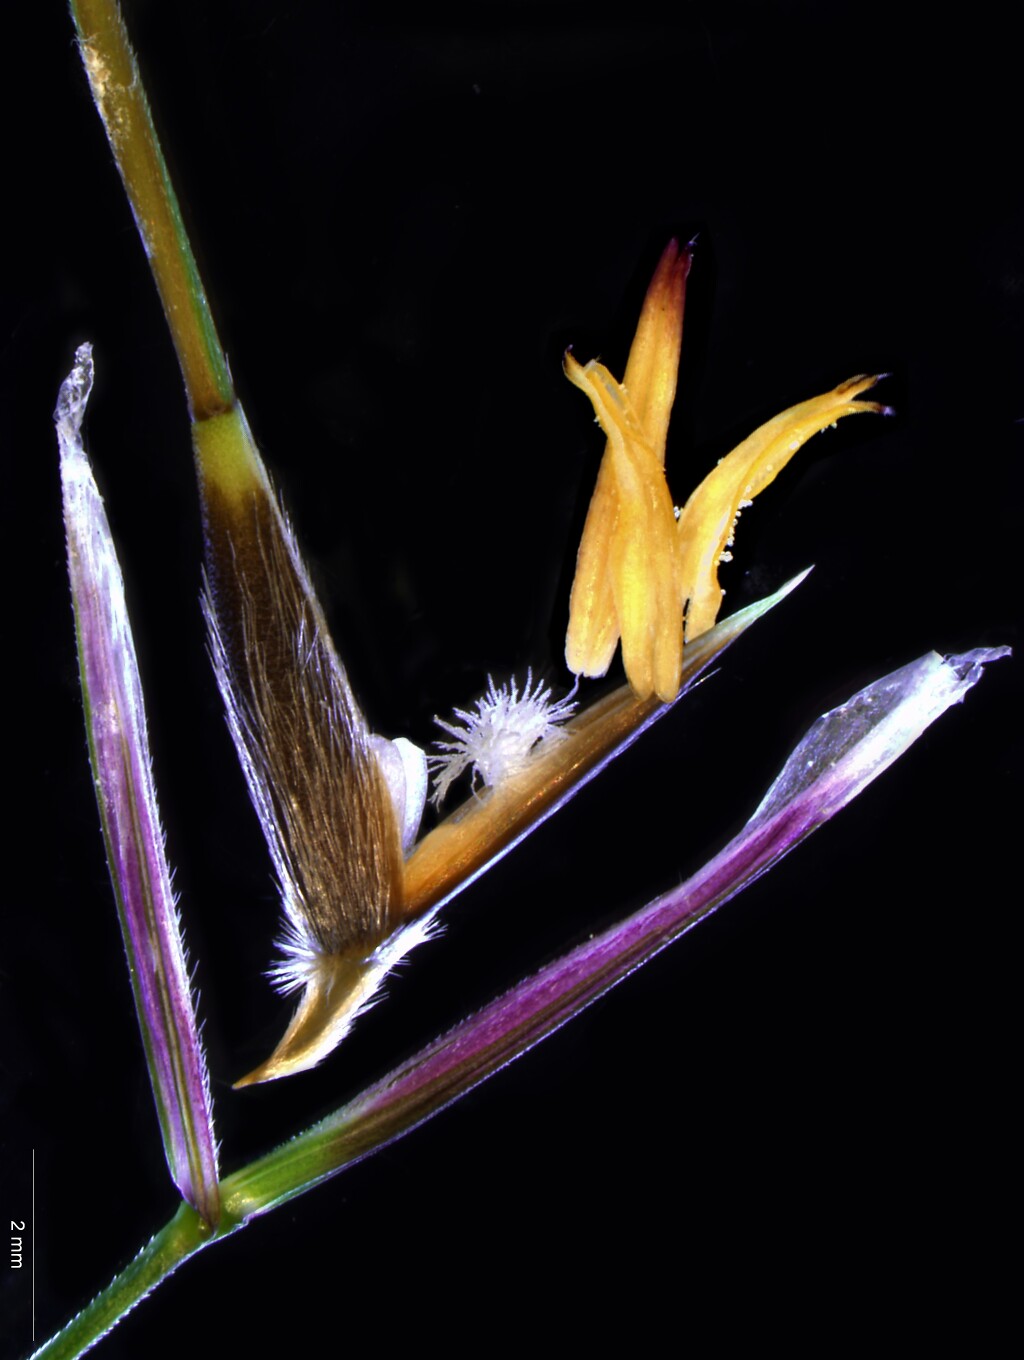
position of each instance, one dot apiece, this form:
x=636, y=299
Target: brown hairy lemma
x=319, y=792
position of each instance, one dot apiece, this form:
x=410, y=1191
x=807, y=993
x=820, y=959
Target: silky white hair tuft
x=498, y=740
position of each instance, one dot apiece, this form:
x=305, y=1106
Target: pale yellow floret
x=638, y=570
x=627, y=563
x=637, y=547
x=706, y=524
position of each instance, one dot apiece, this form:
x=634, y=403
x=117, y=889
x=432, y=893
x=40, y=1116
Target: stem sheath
x=121, y=100
x=181, y=1238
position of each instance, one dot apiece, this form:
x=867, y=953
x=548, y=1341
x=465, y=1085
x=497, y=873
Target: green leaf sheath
x=120, y=98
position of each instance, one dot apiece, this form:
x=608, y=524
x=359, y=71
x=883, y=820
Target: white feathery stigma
x=498, y=740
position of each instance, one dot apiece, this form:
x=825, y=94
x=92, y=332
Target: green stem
x=121, y=100
x=255, y=1189
x=182, y=1237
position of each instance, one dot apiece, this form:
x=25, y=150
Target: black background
x=797, y=1120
